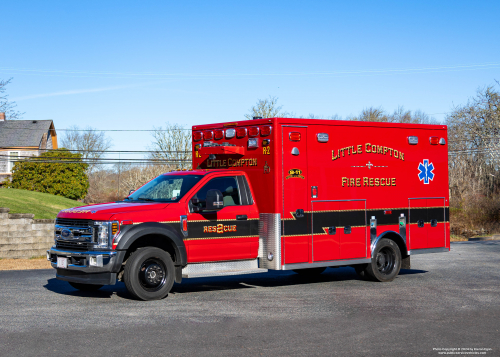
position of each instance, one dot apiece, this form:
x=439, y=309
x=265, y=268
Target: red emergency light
x=253, y=131
x=241, y=132
x=197, y=136
x=265, y=130
x=219, y=134
x=294, y=136
x=208, y=135
x=434, y=140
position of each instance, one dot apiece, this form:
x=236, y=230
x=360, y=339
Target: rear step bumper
x=199, y=270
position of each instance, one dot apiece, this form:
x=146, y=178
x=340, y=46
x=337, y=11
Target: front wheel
x=149, y=273
x=386, y=261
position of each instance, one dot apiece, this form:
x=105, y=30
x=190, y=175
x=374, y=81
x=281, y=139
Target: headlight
x=105, y=232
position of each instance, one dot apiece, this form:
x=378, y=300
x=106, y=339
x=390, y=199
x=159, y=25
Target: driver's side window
x=226, y=185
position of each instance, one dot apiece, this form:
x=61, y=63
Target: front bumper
x=79, y=269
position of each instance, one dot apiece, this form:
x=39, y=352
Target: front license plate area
x=62, y=262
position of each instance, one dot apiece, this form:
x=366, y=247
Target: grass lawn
x=43, y=205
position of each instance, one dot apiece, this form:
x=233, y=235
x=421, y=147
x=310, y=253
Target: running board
x=239, y=267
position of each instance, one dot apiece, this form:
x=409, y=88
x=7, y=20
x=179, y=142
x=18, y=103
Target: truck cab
x=176, y=219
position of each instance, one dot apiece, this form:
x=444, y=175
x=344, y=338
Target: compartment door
x=353, y=225
x=326, y=232
x=417, y=231
x=296, y=228
x=436, y=226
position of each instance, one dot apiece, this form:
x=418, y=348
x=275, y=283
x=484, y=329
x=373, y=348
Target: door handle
x=299, y=213
x=241, y=217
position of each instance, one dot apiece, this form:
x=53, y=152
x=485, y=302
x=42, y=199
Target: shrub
x=58, y=172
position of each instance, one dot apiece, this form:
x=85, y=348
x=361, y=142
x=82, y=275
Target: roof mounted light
x=208, y=135
x=413, y=140
x=434, y=140
x=265, y=130
x=241, y=132
x=253, y=131
x=197, y=136
x=442, y=141
x=218, y=134
x=230, y=133
x=253, y=143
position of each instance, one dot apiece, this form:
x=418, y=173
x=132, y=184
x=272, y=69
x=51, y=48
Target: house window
x=13, y=156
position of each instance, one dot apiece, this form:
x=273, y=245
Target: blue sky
x=137, y=65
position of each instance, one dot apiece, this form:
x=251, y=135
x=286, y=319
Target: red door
x=296, y=219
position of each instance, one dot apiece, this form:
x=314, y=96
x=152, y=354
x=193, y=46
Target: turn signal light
x=114, y=228
x=265, y=130
x=197, y=136
x=253, y=131
x=218, y=134
x=294, y=136
x=434, y=140
x=241, y=132
x=185, y=225
x=208, y=135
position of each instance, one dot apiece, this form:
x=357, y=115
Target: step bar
x=239, y=267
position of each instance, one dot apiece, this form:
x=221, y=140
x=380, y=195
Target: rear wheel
x=85, y=287
x=386, y=261
x=149, y=273
x=309, y=272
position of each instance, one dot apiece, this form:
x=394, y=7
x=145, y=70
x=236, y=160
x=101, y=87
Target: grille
x=75, y=222
x=73, y=245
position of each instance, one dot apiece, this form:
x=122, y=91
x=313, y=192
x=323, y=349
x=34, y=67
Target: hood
x=105, y=211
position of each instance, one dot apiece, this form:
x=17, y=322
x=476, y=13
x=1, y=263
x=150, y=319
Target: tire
x=386, y=261
x=310, y=271
x=85, y=287
x=149, y=273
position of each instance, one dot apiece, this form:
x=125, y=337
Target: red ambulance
x=278, y=193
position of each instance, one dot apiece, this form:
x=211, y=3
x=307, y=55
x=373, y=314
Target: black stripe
x=339, y=219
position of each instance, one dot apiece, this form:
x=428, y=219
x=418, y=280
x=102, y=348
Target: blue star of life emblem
x=426, y=169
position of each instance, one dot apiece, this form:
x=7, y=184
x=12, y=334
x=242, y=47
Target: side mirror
x=131, y=192
x=214, y=201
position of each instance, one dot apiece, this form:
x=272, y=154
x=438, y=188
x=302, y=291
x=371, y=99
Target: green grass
x=43, y=205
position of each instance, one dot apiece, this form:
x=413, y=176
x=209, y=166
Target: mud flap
x=178, y=274
x=405, y=263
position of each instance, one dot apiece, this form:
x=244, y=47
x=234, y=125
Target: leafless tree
x=172, y=146
x=89, y=142
x=6, y=106
x=267, y=108
x=400, y=115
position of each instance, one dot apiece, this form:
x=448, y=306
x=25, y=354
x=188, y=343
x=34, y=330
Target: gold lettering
x=402, y=156
x=205, y=229
x=365, y=181
x=371, y=181
x=358, y=182
x=382, y=181
x=376, y=181
x=367, y=147
x=359, y=149
x=385, y=150
x=344, y=180
x=396, y=154
x=378, y=149
x=220, y=228
x=393, y=181
x=351, y=182
x=390, y=150
x=334, y=157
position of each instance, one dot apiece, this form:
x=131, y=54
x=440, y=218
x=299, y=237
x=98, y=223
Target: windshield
x=165, y=188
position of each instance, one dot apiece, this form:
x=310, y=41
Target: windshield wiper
x=145, y=199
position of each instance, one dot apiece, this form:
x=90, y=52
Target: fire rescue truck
x=269, y=194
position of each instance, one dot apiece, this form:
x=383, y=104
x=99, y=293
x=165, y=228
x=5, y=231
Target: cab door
x=219, y=235
x=296, y=219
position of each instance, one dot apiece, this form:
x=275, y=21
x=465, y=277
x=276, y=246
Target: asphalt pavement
x=445, y=302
